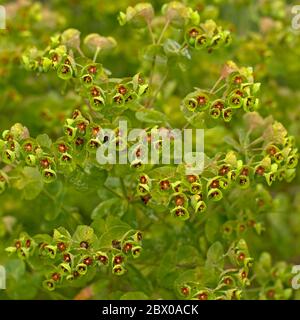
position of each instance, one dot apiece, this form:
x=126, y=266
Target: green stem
x=163, y=31
x=151, y=32
x=152, y=100
x=216, y=84
x=80, y=52
x=214, y=92
x=96, y=54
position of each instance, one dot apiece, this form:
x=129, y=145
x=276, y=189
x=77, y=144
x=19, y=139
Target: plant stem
x=219, y=89
x=163, y=31
x=151, y=32
x=96, y=54
x=80, y=52
x=216, y=84
x=153, y=98
x=151, y=80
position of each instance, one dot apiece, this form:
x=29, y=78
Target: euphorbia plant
x=196, y=236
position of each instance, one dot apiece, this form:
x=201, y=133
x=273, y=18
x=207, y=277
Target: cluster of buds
x=73, y=257
x=240, y=92
x=231, y=281
x=181, y=17
x=175, y=13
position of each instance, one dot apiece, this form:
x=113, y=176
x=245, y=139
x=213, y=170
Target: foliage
x=72, y=228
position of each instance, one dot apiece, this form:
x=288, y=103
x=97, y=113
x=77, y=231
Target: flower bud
x=95, y=42
x=71, y=38
x=138, y=16
x=177, y=13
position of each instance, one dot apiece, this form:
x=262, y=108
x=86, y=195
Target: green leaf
x=61, y=234
x=151, y=116
x=24, y=288
x=15, y=269
x=167, y=273
x=215, y=257
x=86, y=180
x=110, y=206
x=187, y=255
x=44, y=141
x=115, y=231
x=31, y=183
x=212, y=226
x=83, y=233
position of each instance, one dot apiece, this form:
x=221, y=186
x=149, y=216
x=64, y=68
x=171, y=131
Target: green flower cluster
x=276, y=159
x=68, y=258
x=231, y=281
x=238, y=92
